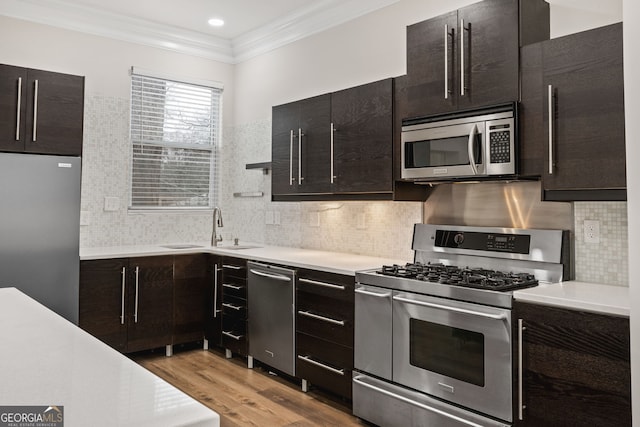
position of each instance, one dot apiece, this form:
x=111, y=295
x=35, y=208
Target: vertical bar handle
x=446, y=61
x=333, y=177
x=551, y=114
x=521, y=405
x=35, y=110
x=215, y=291
x=462, y=29
x=471, y=149
x=124, y=281
x=18, y=108
x=291, y=157
x=300, y=135
x=135, y=312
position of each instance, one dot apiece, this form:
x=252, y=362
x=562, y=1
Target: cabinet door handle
x=322, y=318
x=215, y=291
x=234, y=287
x=332, y=176
x=234, y=307
x=300, y=135
x=521, y=405
x=18, y=108
x=326, y=285
x=230, y=335
x=462, y=81
x=446, y=62
x=135, y=312
x=550, y=108
x=321, y=365
x=35, y=110
x=232, y=267
x=291, y=157
x=124, y=284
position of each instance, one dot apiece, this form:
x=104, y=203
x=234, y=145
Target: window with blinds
x=174, y=135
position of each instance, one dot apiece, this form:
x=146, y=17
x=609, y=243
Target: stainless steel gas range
x=433, y=339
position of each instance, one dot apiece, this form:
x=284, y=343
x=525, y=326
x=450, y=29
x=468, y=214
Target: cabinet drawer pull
x=323, y=318
x=326, y=285
x=230, y=335
x=332, y=176
x=321, y=365
x=300, y=177
x=232, y=267
x=234, y=287
x=235, y=307
x=19, y=105
x=135, y=312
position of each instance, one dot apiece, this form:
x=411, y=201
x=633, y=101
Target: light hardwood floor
x=246, y=397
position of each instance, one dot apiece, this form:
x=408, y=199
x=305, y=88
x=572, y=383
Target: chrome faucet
x=217, y=222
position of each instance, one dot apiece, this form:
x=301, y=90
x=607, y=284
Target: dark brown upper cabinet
x=337, y=146
x=469, y=58
x=572, y=115
x=40, y=111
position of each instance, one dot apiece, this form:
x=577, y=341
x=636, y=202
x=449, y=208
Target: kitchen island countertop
x=332, y=262
x=575, y=295
x=48, y=361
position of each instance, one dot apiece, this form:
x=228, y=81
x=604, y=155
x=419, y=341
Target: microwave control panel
x=500, y=143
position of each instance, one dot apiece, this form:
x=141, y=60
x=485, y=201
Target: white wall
x=631, y=9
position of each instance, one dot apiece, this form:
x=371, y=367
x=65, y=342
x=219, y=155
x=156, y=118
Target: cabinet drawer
x=234, y=267
x=235, y=288
x=326, y=324
x=325, y=364
x=234, y=308
x=235, y=325
x=235, y=342
x=327, y=284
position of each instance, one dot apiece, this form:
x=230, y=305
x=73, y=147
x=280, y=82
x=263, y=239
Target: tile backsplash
x=369, y=228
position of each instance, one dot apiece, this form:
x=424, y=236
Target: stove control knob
x=458, y=239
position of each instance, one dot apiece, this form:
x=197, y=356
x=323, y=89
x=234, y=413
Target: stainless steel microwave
x=463, y=145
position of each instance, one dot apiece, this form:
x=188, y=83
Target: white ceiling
x=252, y=26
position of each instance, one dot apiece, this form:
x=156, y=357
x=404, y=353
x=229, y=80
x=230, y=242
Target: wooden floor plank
x=246, y=397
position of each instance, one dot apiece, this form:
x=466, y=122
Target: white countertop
x=605, y=299
x=49, y=361
x=333, y=262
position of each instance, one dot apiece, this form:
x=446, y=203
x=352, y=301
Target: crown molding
x=321, y=16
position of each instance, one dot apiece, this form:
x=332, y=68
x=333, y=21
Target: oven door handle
x=472, y=138
x=359, y=381
x=449, y=308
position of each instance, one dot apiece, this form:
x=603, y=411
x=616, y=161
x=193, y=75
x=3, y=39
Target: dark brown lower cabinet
x=234, y=306
x=213, y=301
x=191, y=284
x=324, y=330
x=140, y=303
x=576, y=368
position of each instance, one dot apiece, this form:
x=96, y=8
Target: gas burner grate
x=468, y=277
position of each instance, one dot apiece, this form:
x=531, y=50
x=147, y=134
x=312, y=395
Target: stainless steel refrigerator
x=40, y=228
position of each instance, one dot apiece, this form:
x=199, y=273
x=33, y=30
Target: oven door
x=454, y=151
x=453, y=350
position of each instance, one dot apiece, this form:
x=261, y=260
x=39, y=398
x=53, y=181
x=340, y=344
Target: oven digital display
x=493, y=242
x=455, y=353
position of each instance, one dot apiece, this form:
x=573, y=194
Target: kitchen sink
x=238, y=247
x=182, y=246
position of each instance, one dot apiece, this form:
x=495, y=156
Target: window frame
x=214, y=168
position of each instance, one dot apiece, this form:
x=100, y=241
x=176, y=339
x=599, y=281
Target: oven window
x=455, y=353
x=441, y=152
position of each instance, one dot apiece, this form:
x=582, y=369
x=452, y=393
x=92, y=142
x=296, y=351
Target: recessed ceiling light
x=216, y=22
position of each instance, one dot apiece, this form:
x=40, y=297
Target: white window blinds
x=174, y=135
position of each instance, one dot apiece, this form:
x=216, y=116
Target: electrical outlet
x=591, y=231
